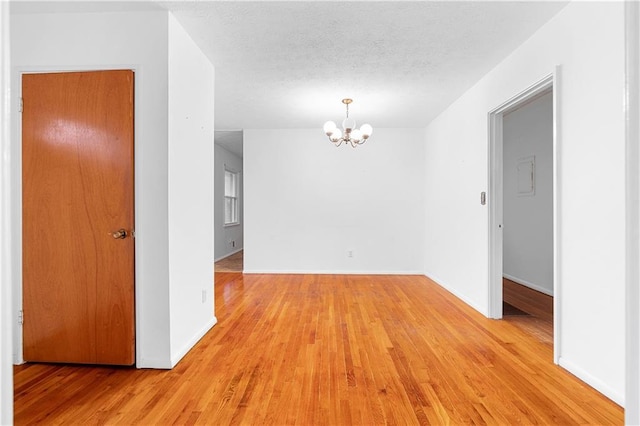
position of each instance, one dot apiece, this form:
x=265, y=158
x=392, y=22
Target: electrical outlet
x=204, y=296
x=349, y=253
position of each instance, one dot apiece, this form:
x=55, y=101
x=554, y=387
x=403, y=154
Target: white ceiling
x=82, y=6
x=289, y=64
x=231, y=140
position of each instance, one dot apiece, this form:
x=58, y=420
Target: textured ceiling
x=289, y=64
x=82, y=6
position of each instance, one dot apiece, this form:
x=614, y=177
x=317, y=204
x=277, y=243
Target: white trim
x=228, y=168
x=175, y=359
x=6, y=258
x=16, y=218
x=531, y=285
x=235, y=198
x=557, y=265
x=228, y=254
x=168, y=364
x=153, y=363
x=457, y=294
x=598, y=385
x=632, y=250
x=495, y=201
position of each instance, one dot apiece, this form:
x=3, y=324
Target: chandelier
x=351, y=135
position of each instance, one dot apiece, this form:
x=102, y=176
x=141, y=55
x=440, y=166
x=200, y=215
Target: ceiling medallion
x=352, y=135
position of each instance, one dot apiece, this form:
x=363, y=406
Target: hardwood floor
x=539, y=305
x=330, y=349
x=233, y=263
x=531, y=301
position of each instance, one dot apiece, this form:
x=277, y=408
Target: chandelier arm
x=337, y=143
x=348, y=140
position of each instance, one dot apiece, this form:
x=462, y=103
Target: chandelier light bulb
x=329, y=128
x=336, y=136
x=366, y=130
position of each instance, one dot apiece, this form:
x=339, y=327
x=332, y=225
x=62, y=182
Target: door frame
x=16, y=194
x=495, y=200
x=632, y=198
x=6, y=277
x=111, y=269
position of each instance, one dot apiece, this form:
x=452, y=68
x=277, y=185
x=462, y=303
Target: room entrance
x=523, y=226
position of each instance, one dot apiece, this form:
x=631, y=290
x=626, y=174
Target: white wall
x=139, y=41
x=90, y=41
x=6, y=369
x=307, y=203
x=229, y=239
x=586, y=39
x=528, y=219
x=191, y=191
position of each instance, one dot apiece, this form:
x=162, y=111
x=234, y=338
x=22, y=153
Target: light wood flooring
x=233, y=263
x=539, y=305
x=328, y=350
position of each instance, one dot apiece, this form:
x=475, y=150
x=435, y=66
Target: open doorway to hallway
x=527, y=267
x=523, y=211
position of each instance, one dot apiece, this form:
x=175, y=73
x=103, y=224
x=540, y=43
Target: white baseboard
x=469, y=302
x=229, y=254
x=525, y=283
x=595, y=383
x=175, y=358
x=154, y=363
x=168, y=364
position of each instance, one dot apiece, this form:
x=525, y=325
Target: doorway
x=522, y=175
x=229, y=201
x=77, y=217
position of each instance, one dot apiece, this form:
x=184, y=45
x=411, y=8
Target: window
x=231, y=192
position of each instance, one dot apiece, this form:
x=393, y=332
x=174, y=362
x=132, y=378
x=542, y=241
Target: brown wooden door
x=77, y=190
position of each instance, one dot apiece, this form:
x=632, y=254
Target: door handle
x=120, y=234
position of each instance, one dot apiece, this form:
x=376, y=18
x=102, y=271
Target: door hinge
x=21, y=106
x=20, y=317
